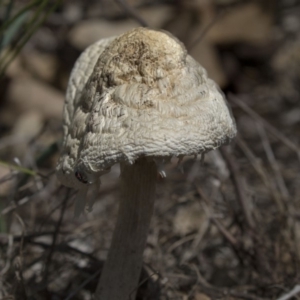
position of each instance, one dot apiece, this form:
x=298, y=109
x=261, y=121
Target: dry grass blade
x=82, y=285
x=131, y=12
x=227, y=235
x=262, y=173
x=239, y=186
x=273, y=162
x=291, y=145
x=291, y=294
x=57, y=228
x=206, y=30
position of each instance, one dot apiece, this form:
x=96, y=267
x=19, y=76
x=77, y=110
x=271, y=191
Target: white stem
x=121, y=272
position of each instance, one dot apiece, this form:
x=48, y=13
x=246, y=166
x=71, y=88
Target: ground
x=226, y=227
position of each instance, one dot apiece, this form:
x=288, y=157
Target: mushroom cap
x=138, y=95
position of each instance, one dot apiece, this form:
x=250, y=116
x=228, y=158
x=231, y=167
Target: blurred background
x=227, y=227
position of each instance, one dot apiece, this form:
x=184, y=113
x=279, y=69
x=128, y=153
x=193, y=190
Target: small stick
x=20, y=287
x=292, y=293
x=225, y=292
x=21, y=202
x=132, y=12
x=273, y=163
x=266, y=124
x=206, y=29
x=81, y=286
x=64, y=248
x=228, y=236
x=181, y=242
x=239, y=187
x=255, y=162
x=197, y=241
x=4, y=238
x=58, y=224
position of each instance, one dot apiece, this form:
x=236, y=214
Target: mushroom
x=137, y=99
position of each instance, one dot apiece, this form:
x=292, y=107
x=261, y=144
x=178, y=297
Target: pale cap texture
x=138, y=95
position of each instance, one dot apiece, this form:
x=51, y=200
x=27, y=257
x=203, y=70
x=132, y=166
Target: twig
x=239, y=187
x=224, y=292
x=141, y=283
x=81, y=286
x=20, y=290
x=4, y=238
x=20, y=286
x=21, y=202
x=9, y=252
x=257, y=166
x=55, y=235
x=194, y=248
x=24, y=200
x=64, y=248
x=206, y=29
x=131, y=12
x=227, y=235
x=48, y=215
x=8, y=177
x=292, y=293
x=243, y=296
x=273, y=163
x=181, y=242
x=201, y=279
x=266, y=124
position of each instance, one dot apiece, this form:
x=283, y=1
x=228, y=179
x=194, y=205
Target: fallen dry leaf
x=90, y=31
x=247, y=23
x=188, y=218
x=26, y=94
x=201, y=296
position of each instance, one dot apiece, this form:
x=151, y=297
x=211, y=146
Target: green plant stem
x=6, y=17
x=18, y=168
x=29, y=30
x=7, y=60
x=18, y=14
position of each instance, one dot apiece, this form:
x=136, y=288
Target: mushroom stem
x=121, y=272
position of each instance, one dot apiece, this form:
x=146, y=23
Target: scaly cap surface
x=143, y=97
